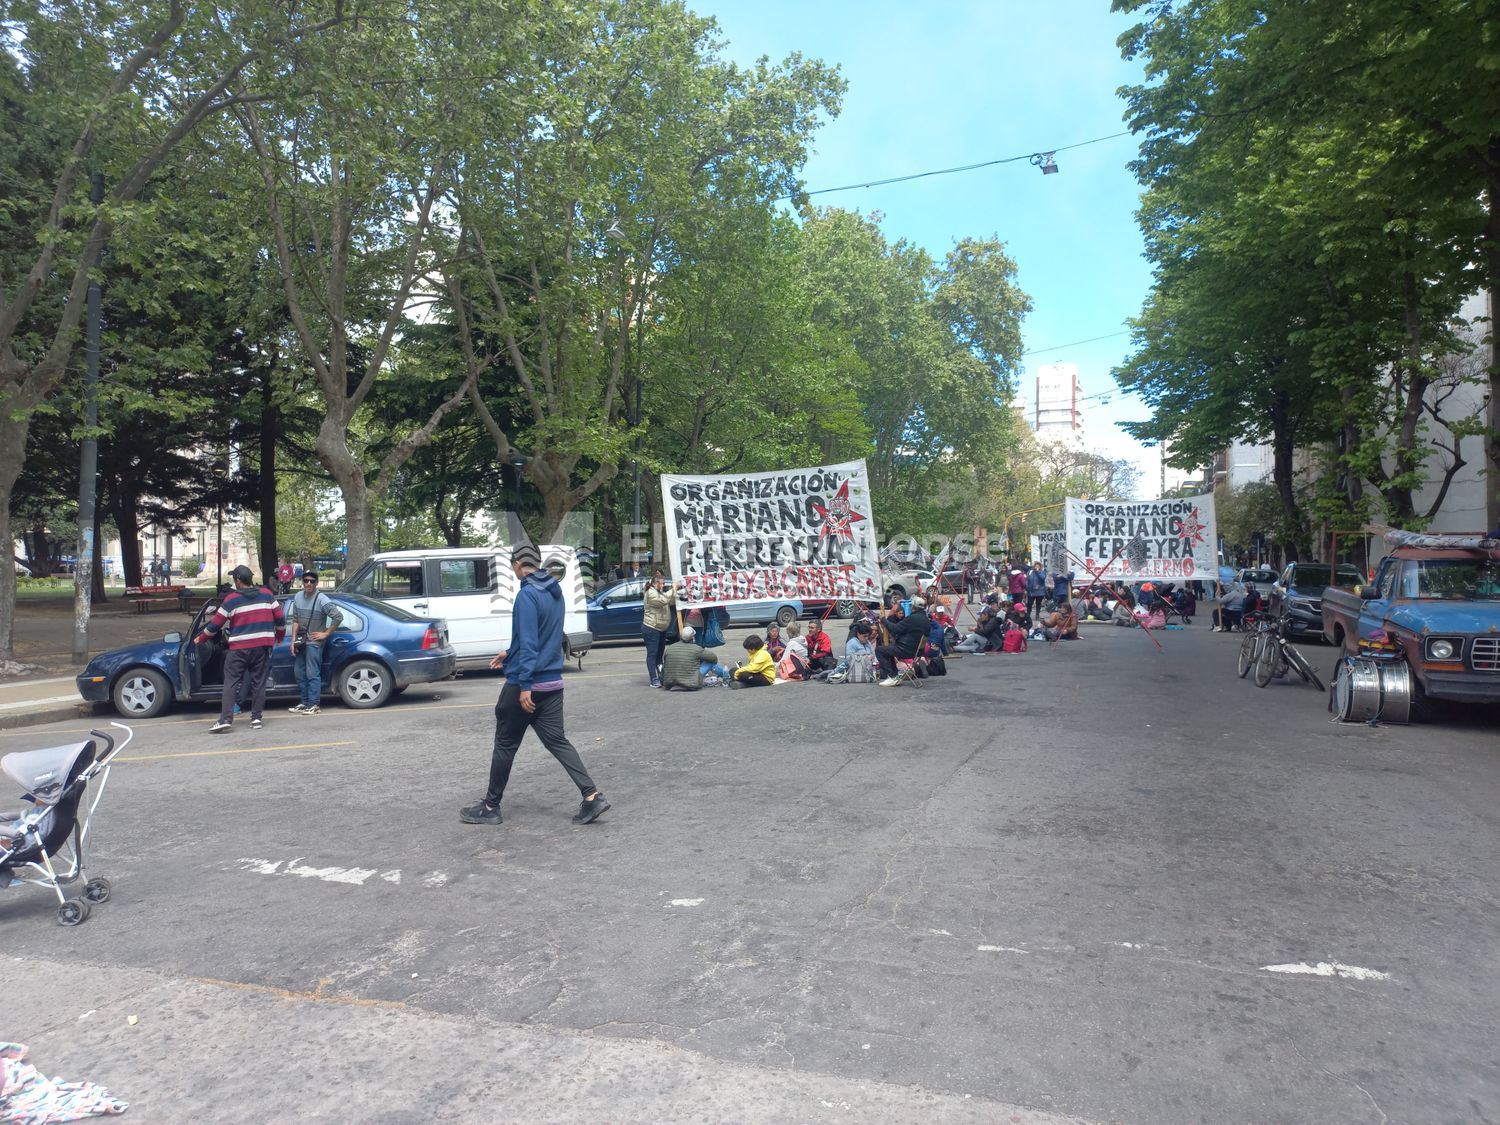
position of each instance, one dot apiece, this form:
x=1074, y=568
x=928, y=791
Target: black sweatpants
x=253, y=665
x=511, y=721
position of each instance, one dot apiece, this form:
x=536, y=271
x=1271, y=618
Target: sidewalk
x=48, y=699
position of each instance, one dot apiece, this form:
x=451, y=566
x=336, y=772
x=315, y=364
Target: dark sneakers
x=592, y=809
x=480, y=813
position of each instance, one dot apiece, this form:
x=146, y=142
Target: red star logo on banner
x=838, y=518
x=1192, y=528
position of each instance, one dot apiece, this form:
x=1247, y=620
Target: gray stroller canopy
x=44, y=773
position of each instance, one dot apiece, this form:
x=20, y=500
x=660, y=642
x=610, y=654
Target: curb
x=60, y=713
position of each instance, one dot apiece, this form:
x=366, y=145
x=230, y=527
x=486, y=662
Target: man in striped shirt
x=255, y=623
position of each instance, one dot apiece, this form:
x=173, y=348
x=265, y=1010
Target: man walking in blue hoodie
x=533, y=692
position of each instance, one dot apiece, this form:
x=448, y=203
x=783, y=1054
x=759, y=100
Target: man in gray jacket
x=684, y=663
x=314, y=618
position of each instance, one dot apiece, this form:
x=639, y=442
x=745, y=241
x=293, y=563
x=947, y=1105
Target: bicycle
x=1255, y=624
x=1277, y=655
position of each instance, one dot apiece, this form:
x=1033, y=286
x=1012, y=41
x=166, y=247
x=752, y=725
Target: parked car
x=1440, y=605
x=1297, y=595
x=1261, y=577
x=615, y=613
x=377, y=652
x=473, y=590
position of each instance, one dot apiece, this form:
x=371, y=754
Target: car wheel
x=141, y=693
x=365, y=684
x=898, y=591
x=785, y=616
x=846, y=608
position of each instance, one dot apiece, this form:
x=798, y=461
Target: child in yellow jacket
x=759, y=670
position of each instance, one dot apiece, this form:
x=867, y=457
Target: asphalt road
x=1095, y=879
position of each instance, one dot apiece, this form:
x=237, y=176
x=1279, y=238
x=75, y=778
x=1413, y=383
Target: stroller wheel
x=74, y=912
x=96, y=890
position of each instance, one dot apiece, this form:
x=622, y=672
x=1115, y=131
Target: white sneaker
x=298, y=709
x=891, y=681
x=313, y=710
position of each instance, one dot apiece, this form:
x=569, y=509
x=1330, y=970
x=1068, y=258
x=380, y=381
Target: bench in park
x=147, y=598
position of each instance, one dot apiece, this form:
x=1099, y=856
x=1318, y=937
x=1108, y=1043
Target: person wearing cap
x=314, y=618
x=533, y=692
x=685, y=663
x=251, y=618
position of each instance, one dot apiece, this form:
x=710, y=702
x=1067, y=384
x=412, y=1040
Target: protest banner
x=1049, y=549
x=1145, y=538
x=793, y=533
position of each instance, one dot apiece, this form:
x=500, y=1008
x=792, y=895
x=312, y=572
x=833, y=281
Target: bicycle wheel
x=1248, y=653
x=1304, y=669
x=1265, y=661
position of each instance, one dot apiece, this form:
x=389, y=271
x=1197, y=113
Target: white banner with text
x=795, y=533
x=1144, y=538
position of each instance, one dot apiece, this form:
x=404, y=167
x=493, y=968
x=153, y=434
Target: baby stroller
x=43, y=845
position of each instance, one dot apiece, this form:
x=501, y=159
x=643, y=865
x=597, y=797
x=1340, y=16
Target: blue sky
x=949, y=82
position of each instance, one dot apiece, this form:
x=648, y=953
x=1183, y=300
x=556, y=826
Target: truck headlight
x=1440, y=648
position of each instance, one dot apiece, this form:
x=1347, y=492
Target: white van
x=474, y=590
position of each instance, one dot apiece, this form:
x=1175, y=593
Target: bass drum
x=1372, y=691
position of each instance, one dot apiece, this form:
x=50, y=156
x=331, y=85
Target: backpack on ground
x=936, y=665
x=1015, y=641
x=861, y=669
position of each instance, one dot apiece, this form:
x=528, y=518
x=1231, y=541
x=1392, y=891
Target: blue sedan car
x=377, y=652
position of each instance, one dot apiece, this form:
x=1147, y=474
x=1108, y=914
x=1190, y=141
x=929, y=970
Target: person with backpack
x=314, y=618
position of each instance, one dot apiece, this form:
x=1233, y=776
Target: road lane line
x=231, y=750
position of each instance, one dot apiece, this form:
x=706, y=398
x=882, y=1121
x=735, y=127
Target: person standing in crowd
x=1016, y=584
x=1062, y=587
x=314, y=618
x=255, y=624
x=284, y=575
x=533, y=692
x=659, y=604
x=907, y=637
x=1036, y=588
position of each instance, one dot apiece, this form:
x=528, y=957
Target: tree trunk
x=359, y=520
x=1282, y=473
x=270, y=426
x=122, y=507
x=12, y=457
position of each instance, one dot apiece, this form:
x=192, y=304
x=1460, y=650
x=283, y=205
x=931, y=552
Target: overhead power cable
x=962, y=167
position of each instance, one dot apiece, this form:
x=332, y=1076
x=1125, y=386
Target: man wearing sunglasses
x=314, y=617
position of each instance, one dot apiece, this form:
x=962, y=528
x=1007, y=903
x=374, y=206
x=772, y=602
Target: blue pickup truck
x=1438, y=598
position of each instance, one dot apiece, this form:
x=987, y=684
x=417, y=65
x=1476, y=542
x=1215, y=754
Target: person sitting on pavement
x=908, y=634
x=775, y=646
x=793, y=663
x=759, y=670
x=684, y=663
x=983, y=628
x=1061, y=624
x=1016, y=617
x=1124, y=610
x=1231, y=607
x=820, y=656
x=937, y=634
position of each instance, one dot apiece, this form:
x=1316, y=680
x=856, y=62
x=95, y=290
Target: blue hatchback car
x=377, y=652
